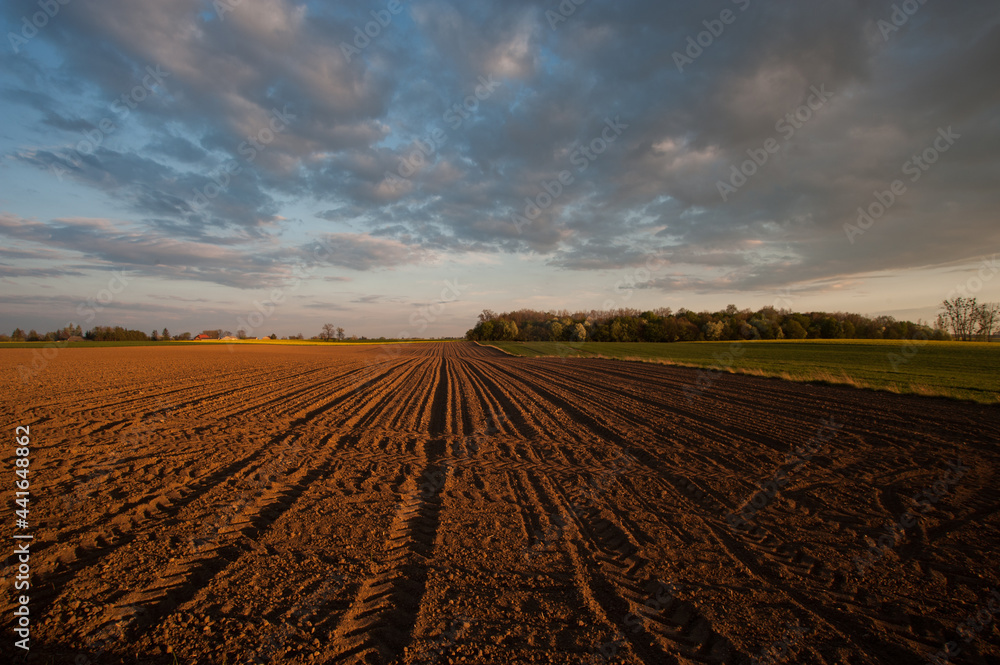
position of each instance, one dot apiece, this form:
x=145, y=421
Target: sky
x=394, y=167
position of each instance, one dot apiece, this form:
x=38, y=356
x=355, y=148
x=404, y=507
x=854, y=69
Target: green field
x=962, y=370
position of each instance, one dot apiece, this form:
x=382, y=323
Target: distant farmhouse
x=200, y=337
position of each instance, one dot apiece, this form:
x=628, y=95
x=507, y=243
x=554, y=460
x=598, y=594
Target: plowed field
x=426, y=503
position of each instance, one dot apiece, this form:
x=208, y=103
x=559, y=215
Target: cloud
x=12, y=271
x=359, y=251
x=109, y=244
x=356, y=124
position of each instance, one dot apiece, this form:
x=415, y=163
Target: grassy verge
x=960, y=370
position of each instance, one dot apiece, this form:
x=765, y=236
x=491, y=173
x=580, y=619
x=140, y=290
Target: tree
x=33, y=336
x=504, y=330
x=794, y=330
x=988, y=319
x=328, y=331
x=340, y=334
x=765, y=329
x=184, y=336
x=165, y=335
x=829, y=328
x=241, y=333
x=960, y=315
x=155, y=336
x=273, y=336
x=17, y=335
x=713, y=330
x=616, y=331
x=487, y=315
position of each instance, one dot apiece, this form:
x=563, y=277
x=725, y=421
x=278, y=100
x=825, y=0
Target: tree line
x=963, y=318
x=117, y=334
x=122, y=334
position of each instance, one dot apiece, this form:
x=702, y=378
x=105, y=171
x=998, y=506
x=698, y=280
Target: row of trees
x=116, y=334
x=330, y=332
x=120, y=334
x=97, y=334
x=665, y=325
x=969, y=320
x=32, y=336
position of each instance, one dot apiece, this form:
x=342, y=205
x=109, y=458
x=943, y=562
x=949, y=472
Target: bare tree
x=988, y=318
x=960, y=315
x=340, y=334
x=328, y=331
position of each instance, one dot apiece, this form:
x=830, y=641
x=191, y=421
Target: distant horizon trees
x=123, y=334
x=665, y=325
x=115, y=334
x=103, y=334
x=961, y=318
x=33, y=336
x=329, y=333
x=967, y=319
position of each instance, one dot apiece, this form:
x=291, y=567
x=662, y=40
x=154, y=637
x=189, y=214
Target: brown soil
x=446, y=503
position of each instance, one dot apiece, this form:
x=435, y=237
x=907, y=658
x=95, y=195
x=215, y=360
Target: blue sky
x=186, y=164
